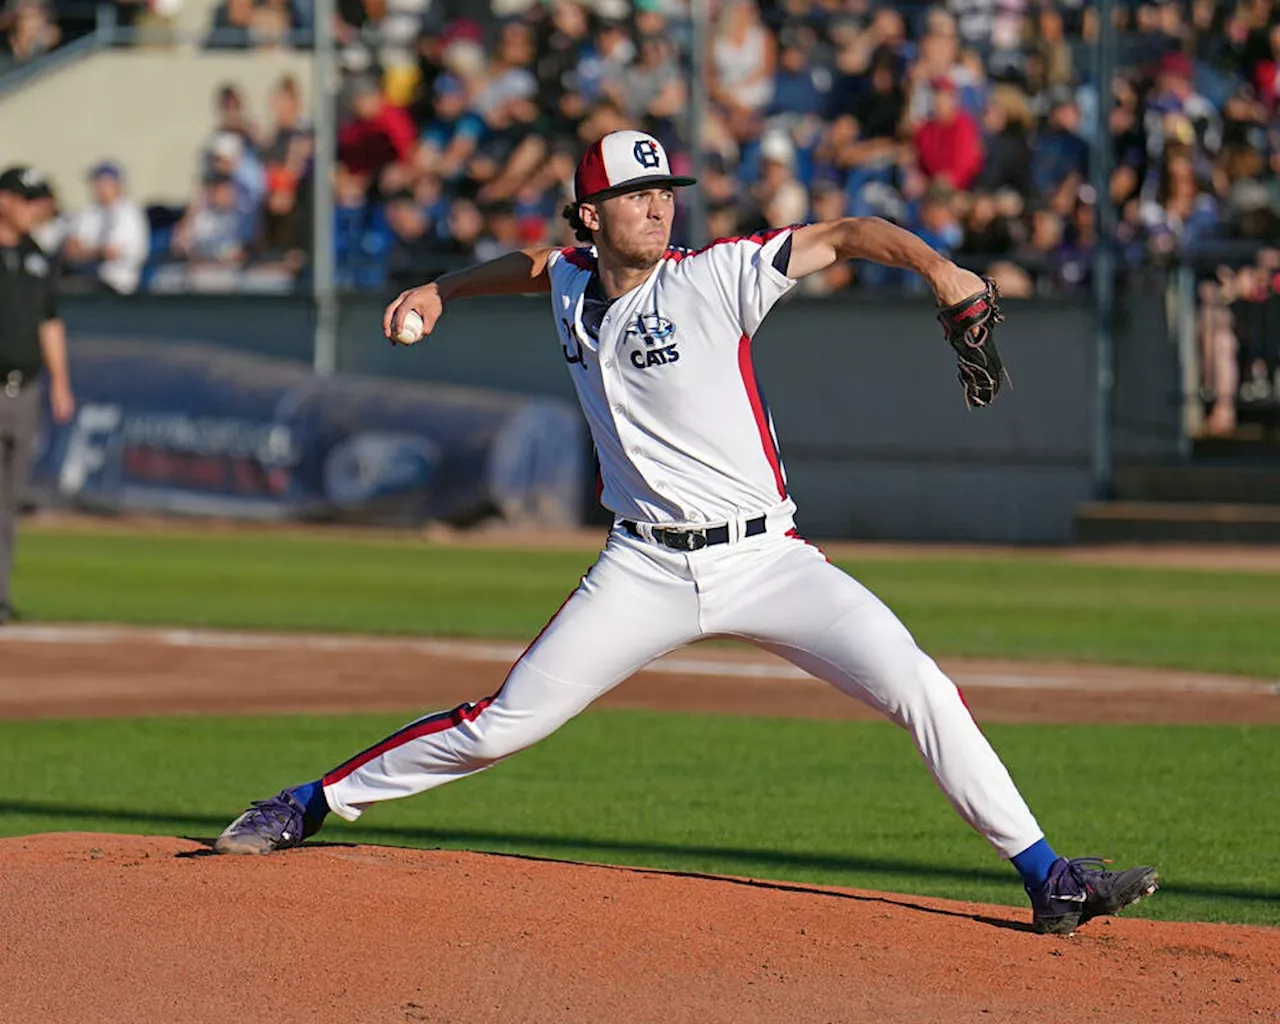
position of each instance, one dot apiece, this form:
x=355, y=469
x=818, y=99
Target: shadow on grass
x=745, y=859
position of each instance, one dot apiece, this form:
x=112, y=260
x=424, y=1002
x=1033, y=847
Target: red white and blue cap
x=624, y=161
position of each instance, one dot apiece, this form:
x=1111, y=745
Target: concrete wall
x=874, y=432
x=150, y=109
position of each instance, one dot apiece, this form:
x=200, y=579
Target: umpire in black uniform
x=33, y=344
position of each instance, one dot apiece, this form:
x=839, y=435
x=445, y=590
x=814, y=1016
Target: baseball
x=410, y=329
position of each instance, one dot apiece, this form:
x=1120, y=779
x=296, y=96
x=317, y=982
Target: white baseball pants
x=641, y=600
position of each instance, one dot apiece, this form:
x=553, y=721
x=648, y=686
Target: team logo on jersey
x=657, y=333
x=651, y=328
x=646, y=153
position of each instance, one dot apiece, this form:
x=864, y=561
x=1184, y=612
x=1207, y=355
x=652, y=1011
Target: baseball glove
x=969, y=326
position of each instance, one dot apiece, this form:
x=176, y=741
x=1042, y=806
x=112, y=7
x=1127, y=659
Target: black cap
x=24, y=181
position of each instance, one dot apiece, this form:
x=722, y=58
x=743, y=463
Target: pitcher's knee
x=495, y=735
x=923, y=690
x=493, y=743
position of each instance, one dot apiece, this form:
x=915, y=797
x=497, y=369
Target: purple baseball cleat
x=1080, y=889
x=267, y=826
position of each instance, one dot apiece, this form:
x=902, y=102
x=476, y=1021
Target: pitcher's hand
x=424, y=300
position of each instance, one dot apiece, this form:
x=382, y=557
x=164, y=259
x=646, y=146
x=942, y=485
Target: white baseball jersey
x=680, y=427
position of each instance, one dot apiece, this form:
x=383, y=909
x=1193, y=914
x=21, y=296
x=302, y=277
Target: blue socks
x=314, y=806
x=1034, y=862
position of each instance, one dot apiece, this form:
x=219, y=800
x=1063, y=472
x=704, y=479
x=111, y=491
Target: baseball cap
x=1176, y=63
x=623, y=161
x=777, y=146
x=449, y=85
x=105, y=169
x=227, y=146
x=23, y=181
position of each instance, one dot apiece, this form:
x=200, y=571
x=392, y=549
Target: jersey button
x=637, y=451
x=608, y=363
x=619, y=409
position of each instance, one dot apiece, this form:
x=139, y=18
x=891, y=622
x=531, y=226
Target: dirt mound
x=122, y=928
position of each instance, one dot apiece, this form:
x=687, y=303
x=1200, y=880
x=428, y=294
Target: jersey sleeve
x=746, y=270
x=563, y=263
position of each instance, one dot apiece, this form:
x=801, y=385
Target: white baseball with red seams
x=685, y=440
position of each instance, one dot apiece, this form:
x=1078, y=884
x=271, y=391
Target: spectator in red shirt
x=378, y=134
x=1266, y=75
x=949, y=143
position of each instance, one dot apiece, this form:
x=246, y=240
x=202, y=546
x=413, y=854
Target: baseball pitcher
x=657, y=341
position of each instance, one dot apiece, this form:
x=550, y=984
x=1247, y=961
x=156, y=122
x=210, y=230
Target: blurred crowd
x=246, y=226
x=970, y=122
x=28, y=30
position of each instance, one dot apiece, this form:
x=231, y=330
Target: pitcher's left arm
x=970, y=305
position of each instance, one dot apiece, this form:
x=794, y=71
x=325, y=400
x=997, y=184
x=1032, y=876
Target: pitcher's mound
x=127, y=928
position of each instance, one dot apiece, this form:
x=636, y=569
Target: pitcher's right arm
x=516, y=273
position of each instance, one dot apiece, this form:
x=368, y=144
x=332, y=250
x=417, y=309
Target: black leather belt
x=695, y=540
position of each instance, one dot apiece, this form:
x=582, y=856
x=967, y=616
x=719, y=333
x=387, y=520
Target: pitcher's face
x=634, y=227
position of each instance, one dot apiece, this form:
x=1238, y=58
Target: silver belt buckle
x=13, y=384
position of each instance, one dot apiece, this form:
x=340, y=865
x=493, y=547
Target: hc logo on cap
x=621, y=160
x=646, y=153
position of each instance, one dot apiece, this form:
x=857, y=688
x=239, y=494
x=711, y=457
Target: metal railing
x=109, y=33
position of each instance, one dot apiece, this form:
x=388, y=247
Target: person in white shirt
x=109, y=238
x=658, y=343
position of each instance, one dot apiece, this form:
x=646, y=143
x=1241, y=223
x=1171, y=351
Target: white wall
x=150, y=110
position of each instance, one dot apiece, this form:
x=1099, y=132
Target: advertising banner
x=193, y=429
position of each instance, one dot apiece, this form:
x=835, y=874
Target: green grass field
x=843, y=803
x=1013, y=606
x=835, y=802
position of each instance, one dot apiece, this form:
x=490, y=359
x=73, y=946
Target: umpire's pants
x=19, y=420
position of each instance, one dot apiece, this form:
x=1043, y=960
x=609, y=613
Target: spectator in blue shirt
x=411, y=255
x=611, y=51
x=228, y=155
x=938, y=225
x=1059, y=154
x=360, y=234
x=450, y=138
x=215, y=229
x=1183, y=213
x=799, y=86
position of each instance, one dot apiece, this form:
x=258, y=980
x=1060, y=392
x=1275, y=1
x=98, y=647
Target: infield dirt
x=101, y=928
x=78, y=671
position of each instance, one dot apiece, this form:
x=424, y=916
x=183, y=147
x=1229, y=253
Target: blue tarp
x=195, y=429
